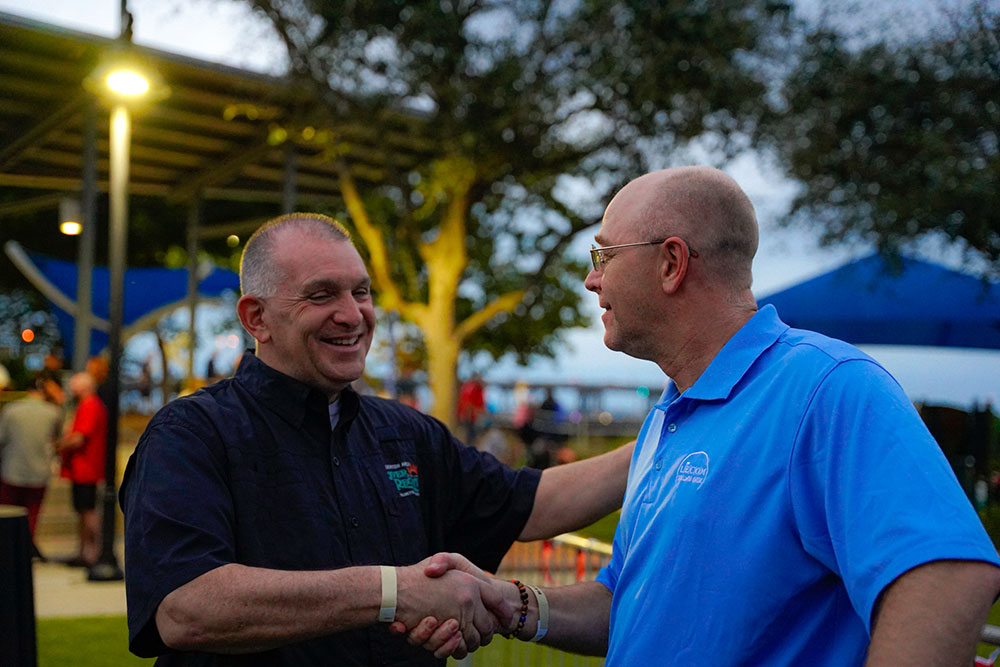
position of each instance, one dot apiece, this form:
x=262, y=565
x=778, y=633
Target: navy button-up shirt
x=249, y=471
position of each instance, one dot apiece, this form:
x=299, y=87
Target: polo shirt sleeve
x=608, y=575
x=873, y=495
x=486, y=504
x=179, y=521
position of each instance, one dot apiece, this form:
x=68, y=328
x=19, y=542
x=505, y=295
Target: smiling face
x=318, y=325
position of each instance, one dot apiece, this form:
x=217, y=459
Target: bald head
x=81, y=385
x=707, y=209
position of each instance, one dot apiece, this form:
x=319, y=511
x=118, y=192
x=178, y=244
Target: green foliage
x=893, y=141
x=603, y=529
x=528, y=116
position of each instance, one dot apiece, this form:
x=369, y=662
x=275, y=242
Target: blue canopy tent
x=866, y=302
x=149, y=292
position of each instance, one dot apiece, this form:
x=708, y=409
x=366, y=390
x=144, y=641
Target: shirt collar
x=735, y=358
x=296, y=401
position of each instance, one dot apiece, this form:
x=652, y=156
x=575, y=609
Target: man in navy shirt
x=785, y=503
x=279, y=518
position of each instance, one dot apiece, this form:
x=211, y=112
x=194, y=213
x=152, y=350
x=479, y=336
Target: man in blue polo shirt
x=785, y=503
x=278, y=517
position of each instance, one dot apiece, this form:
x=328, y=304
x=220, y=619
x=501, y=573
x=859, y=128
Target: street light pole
x=106, y=568
x=123, y=80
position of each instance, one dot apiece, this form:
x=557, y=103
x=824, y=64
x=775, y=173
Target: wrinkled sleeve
x=179, y=521
x=486, y=503
x=873, y=494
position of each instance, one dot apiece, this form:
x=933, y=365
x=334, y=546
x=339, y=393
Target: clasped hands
x=451, y=607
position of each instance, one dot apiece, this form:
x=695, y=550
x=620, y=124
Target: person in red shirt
x=471, y=406
x=82, y=450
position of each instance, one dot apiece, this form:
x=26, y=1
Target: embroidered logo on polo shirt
x=693, y=469
x=404, y=476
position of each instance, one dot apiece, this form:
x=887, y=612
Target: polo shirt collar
x=738, y=355
x=293, y=400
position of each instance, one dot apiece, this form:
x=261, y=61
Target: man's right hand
x=442, y=638
x=438, y=589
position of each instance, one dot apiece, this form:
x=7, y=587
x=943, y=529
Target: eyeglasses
x=599, y=259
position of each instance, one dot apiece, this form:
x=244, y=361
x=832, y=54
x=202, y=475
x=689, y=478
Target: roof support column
x=290, y=189
x=85, y=250
x=193, y=226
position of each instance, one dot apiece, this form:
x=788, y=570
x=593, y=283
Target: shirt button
x=659, y=464
x=672, y=427
x=355, y=522
x=336, y=461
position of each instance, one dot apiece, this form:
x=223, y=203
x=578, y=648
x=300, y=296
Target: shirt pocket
x=395, y=474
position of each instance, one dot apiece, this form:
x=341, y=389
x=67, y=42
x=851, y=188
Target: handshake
x=451, y=607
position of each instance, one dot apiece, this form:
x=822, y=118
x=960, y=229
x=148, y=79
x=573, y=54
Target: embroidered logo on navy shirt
x=693, y=469
x=404, y=476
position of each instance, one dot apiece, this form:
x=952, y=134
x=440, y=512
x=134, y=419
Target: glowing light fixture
x=70, y=227
x=27, y=335
x=127, y=82
x=69, y=217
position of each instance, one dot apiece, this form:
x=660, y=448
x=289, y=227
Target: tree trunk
x=442, y=362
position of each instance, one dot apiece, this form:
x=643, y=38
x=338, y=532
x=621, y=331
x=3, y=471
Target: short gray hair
x=258, y=273
x=716, y=216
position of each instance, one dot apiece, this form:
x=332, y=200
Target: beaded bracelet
x=524, y=609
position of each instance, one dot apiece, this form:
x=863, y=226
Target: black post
x=17, y=600
x=106, y=568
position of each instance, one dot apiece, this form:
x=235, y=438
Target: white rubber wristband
x=387, y=614
x=543, y=613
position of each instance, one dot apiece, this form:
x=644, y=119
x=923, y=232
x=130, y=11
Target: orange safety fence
x=564, y=559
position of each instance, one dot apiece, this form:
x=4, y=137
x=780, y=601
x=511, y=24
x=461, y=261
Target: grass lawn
x=102, y=641
x=91, y=641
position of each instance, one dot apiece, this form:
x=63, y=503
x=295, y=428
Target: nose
x=347, y=312
x=593, y=281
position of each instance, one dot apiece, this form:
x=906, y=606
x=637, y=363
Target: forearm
x=579, y=617
x=933, y=614
x=72, y=440
x=575, y=495
x=239, y=609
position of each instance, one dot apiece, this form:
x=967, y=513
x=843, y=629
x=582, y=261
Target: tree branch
x=504, y=303
x=378, y=253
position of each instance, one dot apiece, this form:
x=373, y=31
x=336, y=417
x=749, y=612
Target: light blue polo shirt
x=770, y=504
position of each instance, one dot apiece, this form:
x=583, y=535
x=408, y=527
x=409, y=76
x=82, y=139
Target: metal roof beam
x=27, y=136
x=31, y=205
x=221, y=172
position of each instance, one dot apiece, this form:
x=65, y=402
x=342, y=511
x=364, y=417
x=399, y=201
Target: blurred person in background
x=98, y=369
x=471, y=406
x=51, y=377
x=82, y=449
x=29, y=429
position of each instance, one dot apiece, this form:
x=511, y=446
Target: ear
x=674, y=262
x=250, y=310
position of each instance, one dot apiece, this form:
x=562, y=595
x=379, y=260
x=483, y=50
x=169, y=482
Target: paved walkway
x=61, y=590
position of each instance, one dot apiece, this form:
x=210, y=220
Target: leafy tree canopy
x=530, y=115
x=892, y=141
